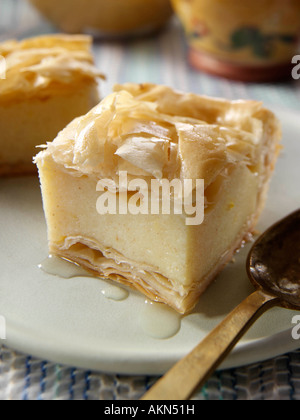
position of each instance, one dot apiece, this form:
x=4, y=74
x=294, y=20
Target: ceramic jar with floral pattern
x=250, y=40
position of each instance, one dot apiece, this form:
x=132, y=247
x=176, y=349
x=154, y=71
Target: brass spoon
x=273, y=266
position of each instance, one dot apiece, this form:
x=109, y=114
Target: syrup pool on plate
x=62, y=268
x=159, y=321
x=156, y=320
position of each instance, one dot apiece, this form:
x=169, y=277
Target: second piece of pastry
x=47, y=82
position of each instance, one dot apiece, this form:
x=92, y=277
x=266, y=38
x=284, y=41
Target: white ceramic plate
x=71, y=322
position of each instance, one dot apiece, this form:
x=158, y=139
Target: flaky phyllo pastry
x=46, y=83
x=153, y=133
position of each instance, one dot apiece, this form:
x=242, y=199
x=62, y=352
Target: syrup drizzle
x=62, y=268
x=67, y=270
x=155, y=319
x=159, y=321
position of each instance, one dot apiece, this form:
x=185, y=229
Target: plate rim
x=264, y=349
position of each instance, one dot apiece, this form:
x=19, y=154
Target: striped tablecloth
x=160, y=59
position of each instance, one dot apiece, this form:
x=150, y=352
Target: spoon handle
x=194, y=370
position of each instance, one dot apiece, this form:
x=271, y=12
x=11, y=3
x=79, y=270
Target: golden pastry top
x=152, y=131
x=45, y=65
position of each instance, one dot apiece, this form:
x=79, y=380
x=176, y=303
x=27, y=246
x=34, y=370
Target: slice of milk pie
x=99, y=174
x=45, y=83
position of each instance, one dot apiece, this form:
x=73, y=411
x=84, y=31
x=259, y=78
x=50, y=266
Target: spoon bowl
x=273, y=266
x=274, y=261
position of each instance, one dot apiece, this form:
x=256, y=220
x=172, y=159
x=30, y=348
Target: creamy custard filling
x=111, y=265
